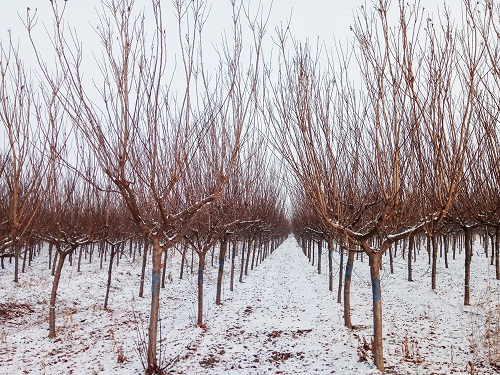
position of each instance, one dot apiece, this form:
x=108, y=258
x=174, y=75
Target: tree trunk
x=253, y=254
x=377, y=346
x=233, y=255
x=497, y=253
x=320, y=249
x=341, y=273
x=110, y=270
x=347, y=288
x=433, y=240
x=468, y=253
x=248, y=256
x=79, y=267
x=330, y=265
x=53, y=294
x=201, y=268
x=242, y=261
x=143, y=268
x=16, y=263
x=391, y=260
x=222, y=257
x=411, y=245
x=164, y=269
x=183, y=260
x=50, y=255
x=446, y=240
x=454, y=247
x=25, y=257
x=155, y=305
x=54, y=263
x=429, y=255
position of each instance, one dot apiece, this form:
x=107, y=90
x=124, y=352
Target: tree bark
x=222, y=257
x=183, y=260
x=347, y=288
x=446, y=240
x=497, y=253
x=164, y=269
x=377, y=346
x=53, y=294
x=320, y=249
x=242, y=261
x=16, y=263
x=391, y=260
x=201, y=268
x=143, y=268
x=434, y=243
x=330, y=264
x=411, y=245
x=233, y=255
x=468, y=253
x=155, y=305
x=110, y=270
x=248, y=256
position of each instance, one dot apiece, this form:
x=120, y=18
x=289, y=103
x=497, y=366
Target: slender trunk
x=143, y=268
x=79, y=267
x=222, y=257
x=391, y=260
x=433, y=240
x=16, y=263
x=253, y=254
x=347, y=289
x=330, y=265
x=486, y=242
x=377, y=346
x=110, y=271
x=155, y=305
x=102, y=251
x=446, y=240
x=497, y=253
x=183, y=260
x=54, y=263
x=242, y=261
x=429, y=255
x=493, y=255
x=201, y=268
x=341, y=273
x=468, y=253
x=50, y=255
x=164, y=268
x=312, y=252
x=53, y=294
x=411, y=246
x=192, y=261
x=248, y=256
x=233, y=255
x=25, y=258
x=454, y=247
x=320, y=249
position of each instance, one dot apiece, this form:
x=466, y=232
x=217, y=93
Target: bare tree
x=362, y=157
x=23, y=169
x=143, y=136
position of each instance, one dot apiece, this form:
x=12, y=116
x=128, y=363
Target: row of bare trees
x=413, y=150
x=139, y=151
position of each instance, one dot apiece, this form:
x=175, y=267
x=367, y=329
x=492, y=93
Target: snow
x=282, y=319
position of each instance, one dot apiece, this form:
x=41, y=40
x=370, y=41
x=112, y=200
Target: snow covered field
x=281, y=320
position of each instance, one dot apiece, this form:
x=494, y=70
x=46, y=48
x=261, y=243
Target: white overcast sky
x=327, y=20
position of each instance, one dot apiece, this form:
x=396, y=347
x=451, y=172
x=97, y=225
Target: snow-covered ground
x=281, y=320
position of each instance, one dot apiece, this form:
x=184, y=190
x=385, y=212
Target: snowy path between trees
x=281, y=320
